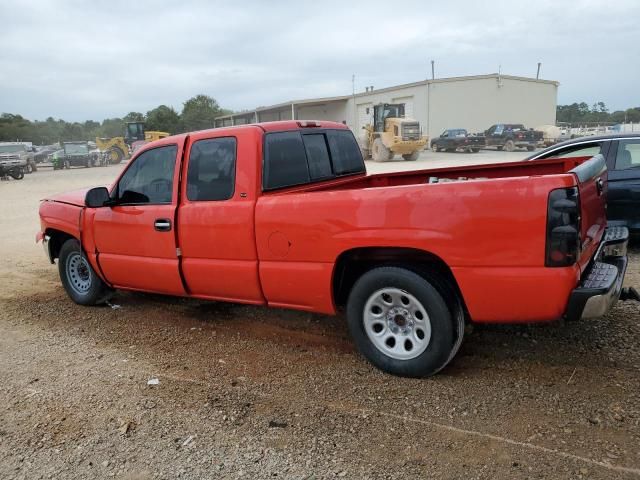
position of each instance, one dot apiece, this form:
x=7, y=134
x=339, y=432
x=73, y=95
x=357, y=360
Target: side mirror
x=97, y=197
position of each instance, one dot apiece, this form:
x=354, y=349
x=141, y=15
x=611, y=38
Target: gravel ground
x=258, y=393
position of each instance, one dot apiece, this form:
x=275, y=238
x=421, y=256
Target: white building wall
x=476, y=104
x=334, y=111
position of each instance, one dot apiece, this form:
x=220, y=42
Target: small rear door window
x=212, y=169
x=285, y=162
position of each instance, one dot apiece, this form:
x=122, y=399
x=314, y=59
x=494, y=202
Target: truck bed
x=489, y=228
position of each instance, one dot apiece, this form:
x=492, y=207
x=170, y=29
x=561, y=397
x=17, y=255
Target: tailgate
x=592, y=187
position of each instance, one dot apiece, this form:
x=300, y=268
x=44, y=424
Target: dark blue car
x=622, y=154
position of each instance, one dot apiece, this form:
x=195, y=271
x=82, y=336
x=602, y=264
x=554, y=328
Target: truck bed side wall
x=491, y=233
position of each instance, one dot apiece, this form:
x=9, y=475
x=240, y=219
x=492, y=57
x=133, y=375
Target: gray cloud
x=90, y=60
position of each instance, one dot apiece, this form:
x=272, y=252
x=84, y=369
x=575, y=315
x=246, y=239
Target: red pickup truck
x=283, y=214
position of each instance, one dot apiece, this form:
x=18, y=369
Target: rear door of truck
x=216, y=235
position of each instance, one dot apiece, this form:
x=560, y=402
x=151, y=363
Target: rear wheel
x=28, y=168
x=380, y=153
x=530, y=148
x=401, y=323
x=475, y=150
x=79, y=280
x=509, y=146
x=499, y=148
x=411, y=157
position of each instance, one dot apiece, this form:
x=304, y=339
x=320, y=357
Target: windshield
x=11, y=148
x=76, y=148
x=392, y=111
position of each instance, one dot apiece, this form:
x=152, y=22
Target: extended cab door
x=135, y=238
x=216, y=215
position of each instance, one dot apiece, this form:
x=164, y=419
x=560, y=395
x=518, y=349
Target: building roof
x=323, y=100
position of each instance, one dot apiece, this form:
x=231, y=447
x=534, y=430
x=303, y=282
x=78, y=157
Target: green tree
x=134, y=117
x=111, y=127
x=163, y=119
x=199, y=113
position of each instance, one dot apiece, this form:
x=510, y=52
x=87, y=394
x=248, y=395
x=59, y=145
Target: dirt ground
x=257, y=393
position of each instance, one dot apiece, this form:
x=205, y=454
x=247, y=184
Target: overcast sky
x=81, y=60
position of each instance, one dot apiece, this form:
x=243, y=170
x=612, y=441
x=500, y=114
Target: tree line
x=581, y=113
x=198, y=113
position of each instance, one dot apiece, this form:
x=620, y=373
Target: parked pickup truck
x=17, y=154
x=456, y=139
x=283, y=214
x=509, y=136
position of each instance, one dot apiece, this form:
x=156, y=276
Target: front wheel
x=16, y=173
x=434, y=148
x=411, y=157
x=400, y=322
x=530, y=148
x=78, y=278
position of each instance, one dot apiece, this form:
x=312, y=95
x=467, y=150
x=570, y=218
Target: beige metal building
x=474, y=103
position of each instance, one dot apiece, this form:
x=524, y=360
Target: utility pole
x=538, y=73
x=433, y=70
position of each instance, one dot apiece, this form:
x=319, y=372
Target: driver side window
x=149, y=180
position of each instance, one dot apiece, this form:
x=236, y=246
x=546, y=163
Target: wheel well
x=56, y=240
x=352, y=264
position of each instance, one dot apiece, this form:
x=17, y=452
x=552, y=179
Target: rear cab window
x=300, y=157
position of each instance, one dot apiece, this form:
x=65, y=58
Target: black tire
x=28, y=168
x=499, y=147
x=509, y=146
x=475, y=150
x=439, y=346
x=116, y=155
x=379, y=152
x=530, y=148
x=411, y=157
x=79, y=280
x=434, y=147
x=16, y=173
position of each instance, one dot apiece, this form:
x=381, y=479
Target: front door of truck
x=623, y=202
x=216, y=216
x=135, y=238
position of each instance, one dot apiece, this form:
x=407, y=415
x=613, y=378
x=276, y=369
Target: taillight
x=563, y=227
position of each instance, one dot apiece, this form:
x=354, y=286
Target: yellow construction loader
x=392, y=133
x=116, y=149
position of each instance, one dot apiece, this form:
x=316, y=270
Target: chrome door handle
x=162, y=225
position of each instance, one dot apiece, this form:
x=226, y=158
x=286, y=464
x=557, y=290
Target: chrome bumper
x=601, y=284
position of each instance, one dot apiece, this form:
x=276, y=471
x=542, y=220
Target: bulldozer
x=116, y=149
x=392, y=133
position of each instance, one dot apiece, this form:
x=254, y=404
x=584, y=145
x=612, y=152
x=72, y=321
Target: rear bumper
x=601, y=284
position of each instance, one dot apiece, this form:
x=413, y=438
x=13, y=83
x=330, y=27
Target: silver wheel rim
x=78, y=273
x=397, y=323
